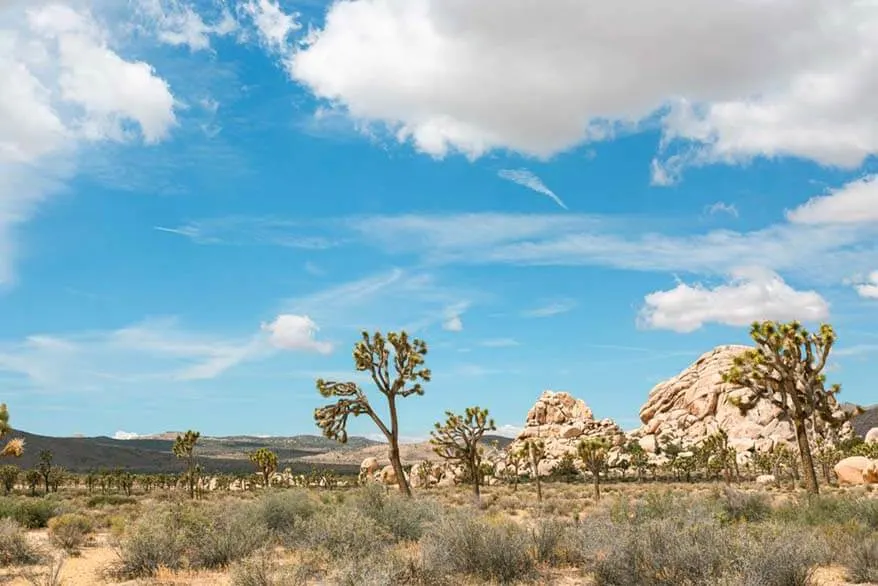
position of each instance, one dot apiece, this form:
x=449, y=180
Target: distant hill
x=865, y=421
x=152, y=454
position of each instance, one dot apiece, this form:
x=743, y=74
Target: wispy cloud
x=499, y=343
x=241, y=230
x=526, y=178
x=722, y=208
x=868, y=287
x=550, y=309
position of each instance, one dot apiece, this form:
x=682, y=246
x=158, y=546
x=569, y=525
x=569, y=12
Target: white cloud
x=177, y=23
x=390, y=300
x=453, y=321
x=775, y=78
x=125, y=435
x=296, y=332
x=238, y=230
x=750, y=295
x=63, y=86
x=869, y=288
x=551, y=309
x=854, y=203
x=273, y=24
x=508, y=430
x=153, y=351
x=527, y=179
x=722, y=208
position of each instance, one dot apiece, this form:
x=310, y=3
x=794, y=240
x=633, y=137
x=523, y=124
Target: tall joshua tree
x=535, y=451
x=786, y=368
x=457, y=440
x=184, y=448
x=375, y=356
x=15, y=446
x=266, y=462
x=594, y=453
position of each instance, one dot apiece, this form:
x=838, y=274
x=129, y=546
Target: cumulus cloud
x=750, y=295
x=508, y=430
x=527, y=179
x=779, y=78
x=63, y=86
x=295, y=332
x=125, y=435
x=854, y=203
x=869, y=287
x=453, y=324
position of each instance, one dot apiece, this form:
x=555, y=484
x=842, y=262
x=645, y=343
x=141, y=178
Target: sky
x=203, y=204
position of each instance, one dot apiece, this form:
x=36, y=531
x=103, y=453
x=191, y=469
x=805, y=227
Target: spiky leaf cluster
x=265, y=461
x=786, y=368
x=458, y=438
x=594, y=452
x=396, y=366
x=14, y=447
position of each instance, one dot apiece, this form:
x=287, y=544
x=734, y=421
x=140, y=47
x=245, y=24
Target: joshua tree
x=719, y=456
x=375, y=355
x=594, y=452
x=9, y=476
x=266, y=462
x=536, y=451
x=15, y=446
x=45, y=468
x=457, y=440
x=33, y=477
x=184, y=448
x=638, y=457
x=514, y=461
x=786, y=368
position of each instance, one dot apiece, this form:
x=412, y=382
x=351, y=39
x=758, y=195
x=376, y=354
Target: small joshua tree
x=786, y=368
x=594, y=453
x=638, y=457
x=266, y=462
x=536, y=452
x=515, y=459
x=9, y=476
x=457, y=440
x=375, y=356
x=45, y=468
x=184, y=448
x=32, y=477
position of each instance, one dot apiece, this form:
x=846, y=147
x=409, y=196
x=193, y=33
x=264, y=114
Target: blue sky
x=202, y=204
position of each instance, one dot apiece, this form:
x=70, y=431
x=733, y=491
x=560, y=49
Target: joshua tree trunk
x=805, y=454
x=597, y=487
x=474, y=472
x=536, y=472
x=395, y=460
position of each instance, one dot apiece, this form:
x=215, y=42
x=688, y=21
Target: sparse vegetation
x=457, y=441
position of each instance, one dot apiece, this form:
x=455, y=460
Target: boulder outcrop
x=561, y=421
x=697, y=403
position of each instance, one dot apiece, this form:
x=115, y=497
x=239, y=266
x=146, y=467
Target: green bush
x=550, y=541
x=70, y=531
x=14, y=546
x=736, y=505
x=222, y=536
x=284, y=513
x=152, y=542
x=405, y=519
x=345, y=532
x=862, y=563
x=830, y=510
x=780, y=556
x=468, y=544
x=109, y=500
x=30, y=513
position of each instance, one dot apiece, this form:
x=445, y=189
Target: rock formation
x=857, y=470
x=697, y=403
x=561, y=421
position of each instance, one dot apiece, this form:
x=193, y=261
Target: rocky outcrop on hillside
x=697, y=403
x=561, y=421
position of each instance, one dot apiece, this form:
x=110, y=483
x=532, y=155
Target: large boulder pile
x=697, y=403
x=561, y=421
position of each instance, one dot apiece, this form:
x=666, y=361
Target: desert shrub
x=263, y=570
x=403, y=518
x=383, y=569
x=472, y=545
x=736, y=505
x=343, y=532
x=862, y=562
x=109, y=500
x=780, y=557
x=69, y=531
x=665, y=552
x=285, y=513
x=14, y=546
x=30, y=513
x=219, y=536
x=549, y=541
x=153, y=542
x=830, y=510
